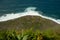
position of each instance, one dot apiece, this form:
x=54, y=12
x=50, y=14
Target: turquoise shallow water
x=48, y=7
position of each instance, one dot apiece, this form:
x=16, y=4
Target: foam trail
x=28, y=11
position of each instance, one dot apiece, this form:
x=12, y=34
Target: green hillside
x=27, y=22
x=29, y=28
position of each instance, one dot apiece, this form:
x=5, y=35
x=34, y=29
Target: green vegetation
x=12, y=29
x=28, y=35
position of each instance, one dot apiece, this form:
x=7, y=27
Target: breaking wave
x=28, y=11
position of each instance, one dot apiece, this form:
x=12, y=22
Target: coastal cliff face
x=27, y=22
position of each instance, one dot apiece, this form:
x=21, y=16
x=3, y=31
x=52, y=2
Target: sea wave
x=28, y=11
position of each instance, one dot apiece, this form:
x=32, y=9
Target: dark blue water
x=48, y=7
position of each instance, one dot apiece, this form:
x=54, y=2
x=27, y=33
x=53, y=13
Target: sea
x=48, y=8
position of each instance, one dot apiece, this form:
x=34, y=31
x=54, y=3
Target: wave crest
x=28, y=11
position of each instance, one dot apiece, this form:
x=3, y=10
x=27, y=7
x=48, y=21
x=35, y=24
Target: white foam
x=28, y=11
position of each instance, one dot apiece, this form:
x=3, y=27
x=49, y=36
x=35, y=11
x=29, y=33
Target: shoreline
x=29, y=11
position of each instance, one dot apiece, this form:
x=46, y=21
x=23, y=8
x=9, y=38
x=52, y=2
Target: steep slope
x=27, y=22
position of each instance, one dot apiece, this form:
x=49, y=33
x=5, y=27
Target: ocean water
x=49, y=8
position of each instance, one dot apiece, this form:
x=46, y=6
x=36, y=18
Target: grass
x=43, y=29
x=28, y=35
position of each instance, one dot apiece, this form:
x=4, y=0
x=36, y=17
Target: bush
x=27, y=35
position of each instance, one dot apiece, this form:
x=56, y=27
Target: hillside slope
x=27, y=22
